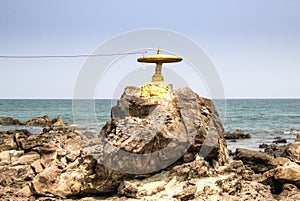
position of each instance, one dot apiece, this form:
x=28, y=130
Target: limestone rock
x=237, y=134
x=258, y=161
x=289, y=193
x=288, y=173
x=293, y=150
x=39, y=121
x=7, y=141
x=45, y=121
x=274, y=150
x=57, y=122
x=159, y=130
x=9, y=121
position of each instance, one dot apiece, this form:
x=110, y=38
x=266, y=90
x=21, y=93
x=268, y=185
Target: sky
x=254, y=44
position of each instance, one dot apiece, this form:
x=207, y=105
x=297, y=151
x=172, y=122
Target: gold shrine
x=157, y=87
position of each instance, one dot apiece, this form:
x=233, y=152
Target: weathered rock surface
x=274, y=150
x=237, y=134
x=38, y=121
x=45, y=121
x=280, y=140
x=8, y=121
x=161, y=130
x=51, y=164
x=65, y=164
x=293, y=150
x=257, y=161
x=38, y=169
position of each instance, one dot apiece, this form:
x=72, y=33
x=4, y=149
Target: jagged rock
x=237, y=134
x=226, y=183
x=7, y=142
x=64, y=163
x=274, y=150
x=45, y=121
x=15, y=178
x=293, y=150
x=288, y=173
x=9, y=121
x=258, y=161
x=21, y=158
x=289, y=193
x=159, y=130
x=39, y=121
x=57, y=122
x=280, y=140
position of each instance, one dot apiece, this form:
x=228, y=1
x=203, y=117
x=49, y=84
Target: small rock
x=237, y=134
x=280, y=140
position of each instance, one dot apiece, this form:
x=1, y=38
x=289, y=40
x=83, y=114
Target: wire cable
x=68, y=56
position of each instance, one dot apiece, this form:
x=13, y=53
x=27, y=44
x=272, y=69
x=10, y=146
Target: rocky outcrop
x=293, y=150
x=38, y=121
x=148, y=134
x=276, y=172
x=158, y=148
x=51, y=164
x=237, y=134
x=45, y=121
x=274, y=150
x=9, y=121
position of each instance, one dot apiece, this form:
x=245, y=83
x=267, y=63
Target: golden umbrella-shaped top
x=159, y=59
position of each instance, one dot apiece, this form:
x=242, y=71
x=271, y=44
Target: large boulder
x=293, y=150
x=288, y=173
x=258, y=161
x=149, y=134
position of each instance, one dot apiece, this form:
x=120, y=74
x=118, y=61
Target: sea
x=264, y=119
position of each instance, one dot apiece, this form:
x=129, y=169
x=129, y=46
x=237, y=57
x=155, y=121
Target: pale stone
x=289, y=173
x=36, y=165
x=5, y=158
x=25, y=159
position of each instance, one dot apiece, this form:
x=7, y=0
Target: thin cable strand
x=66, y=56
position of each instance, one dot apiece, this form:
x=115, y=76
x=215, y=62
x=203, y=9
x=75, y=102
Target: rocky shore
x=151, y=149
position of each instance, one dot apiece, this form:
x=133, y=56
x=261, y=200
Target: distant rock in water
x=280, y=140
x=237, y=134
x=37, y=121
x=9, y=121
x=45, y=121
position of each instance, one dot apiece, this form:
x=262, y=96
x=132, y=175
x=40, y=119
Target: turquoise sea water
x=264, y=119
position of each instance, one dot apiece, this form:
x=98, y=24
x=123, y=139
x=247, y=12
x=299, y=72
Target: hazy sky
x=255, y=44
